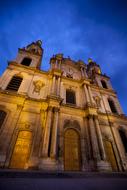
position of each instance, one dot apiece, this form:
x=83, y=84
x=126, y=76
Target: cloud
x=79, y=29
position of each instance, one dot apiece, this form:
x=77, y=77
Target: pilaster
x=118, y=153
x=99, y=137
x=47, y=132
x=53, y=149
x=86, y=94
x=93, y=137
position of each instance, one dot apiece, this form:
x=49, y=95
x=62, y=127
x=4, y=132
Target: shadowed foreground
x=35, y=180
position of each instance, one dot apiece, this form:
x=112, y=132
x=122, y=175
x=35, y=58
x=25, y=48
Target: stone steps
x=6, y=173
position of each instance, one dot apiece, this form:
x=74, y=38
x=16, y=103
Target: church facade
x=65, y=119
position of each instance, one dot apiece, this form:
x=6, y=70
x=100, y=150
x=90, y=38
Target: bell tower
x=93, y=68
x=30, y=56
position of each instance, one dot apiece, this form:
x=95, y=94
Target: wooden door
x=110, y=155
x=72, y=159
x=21, y=150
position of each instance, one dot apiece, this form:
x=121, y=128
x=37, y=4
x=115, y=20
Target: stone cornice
x=112, y=116
x=11, y=93
x=103, y=90
x=102, y=75
x=56, y=72
x=35, y=70
x=54, y=98
x=18, y=95
x=29, y=53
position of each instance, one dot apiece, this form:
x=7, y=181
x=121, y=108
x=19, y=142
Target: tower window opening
x=26, y=61
x=123, y=138
x=70, y=97
x=104, y=85
x=112, y=106
x=15, y=83
x=2, y=117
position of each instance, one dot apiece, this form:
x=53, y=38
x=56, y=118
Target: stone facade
x=67, y=118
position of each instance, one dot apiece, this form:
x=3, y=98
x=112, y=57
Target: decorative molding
x=103, y=122
x=19, y=106
x=38, y=84
x=72, y=124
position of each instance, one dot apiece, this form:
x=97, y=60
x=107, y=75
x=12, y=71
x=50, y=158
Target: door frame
x=79, y=148
x=14, y=143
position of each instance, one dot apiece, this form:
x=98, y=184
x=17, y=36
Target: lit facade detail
x=65, y=119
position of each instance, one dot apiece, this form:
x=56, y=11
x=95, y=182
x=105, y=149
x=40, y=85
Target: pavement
x=39, y=180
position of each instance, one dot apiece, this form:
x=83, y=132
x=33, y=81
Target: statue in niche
x=38, y=84
x=97, y=100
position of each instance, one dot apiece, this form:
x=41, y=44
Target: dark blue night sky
x=77, y=28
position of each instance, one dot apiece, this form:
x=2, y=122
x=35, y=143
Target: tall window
x=104, y=85
x=70, y=97
x=123, y=138
x=15, y=83
x=26, y=61
x=112, y=106
x=2, y=117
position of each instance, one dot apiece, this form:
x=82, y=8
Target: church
x=65, y=119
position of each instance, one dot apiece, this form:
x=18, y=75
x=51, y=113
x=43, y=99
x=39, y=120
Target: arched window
x=26, y=61
x=70, y=97
x=15, y=83
x=2, y=117
x=104, y=85
x=112, y=106
x=123, y=138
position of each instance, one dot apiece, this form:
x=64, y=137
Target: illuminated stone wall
x=40, y=108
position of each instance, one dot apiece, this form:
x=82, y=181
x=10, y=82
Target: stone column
x=54, y=134
x=84, y=161
x=86, y=94
x=56, y=64
x=99, y=137
x=47, y=133
x=42, y=124
x=53, y=85
x=121, y=162
x=59, y=64
x=90, y=94
x=58, y=86
x=95, y=148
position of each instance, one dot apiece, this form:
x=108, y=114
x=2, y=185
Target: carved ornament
x=38, y=84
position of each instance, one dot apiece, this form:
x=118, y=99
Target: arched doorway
x=72, y=152
x=110, y=155
x=21, y=150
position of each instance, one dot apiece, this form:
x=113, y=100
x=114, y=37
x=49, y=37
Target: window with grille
x=70, y=97
x=26, y=61
x=2, y=117
x=104, y=85
x=123, y=138
x=14, y=84
x=112, y=106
